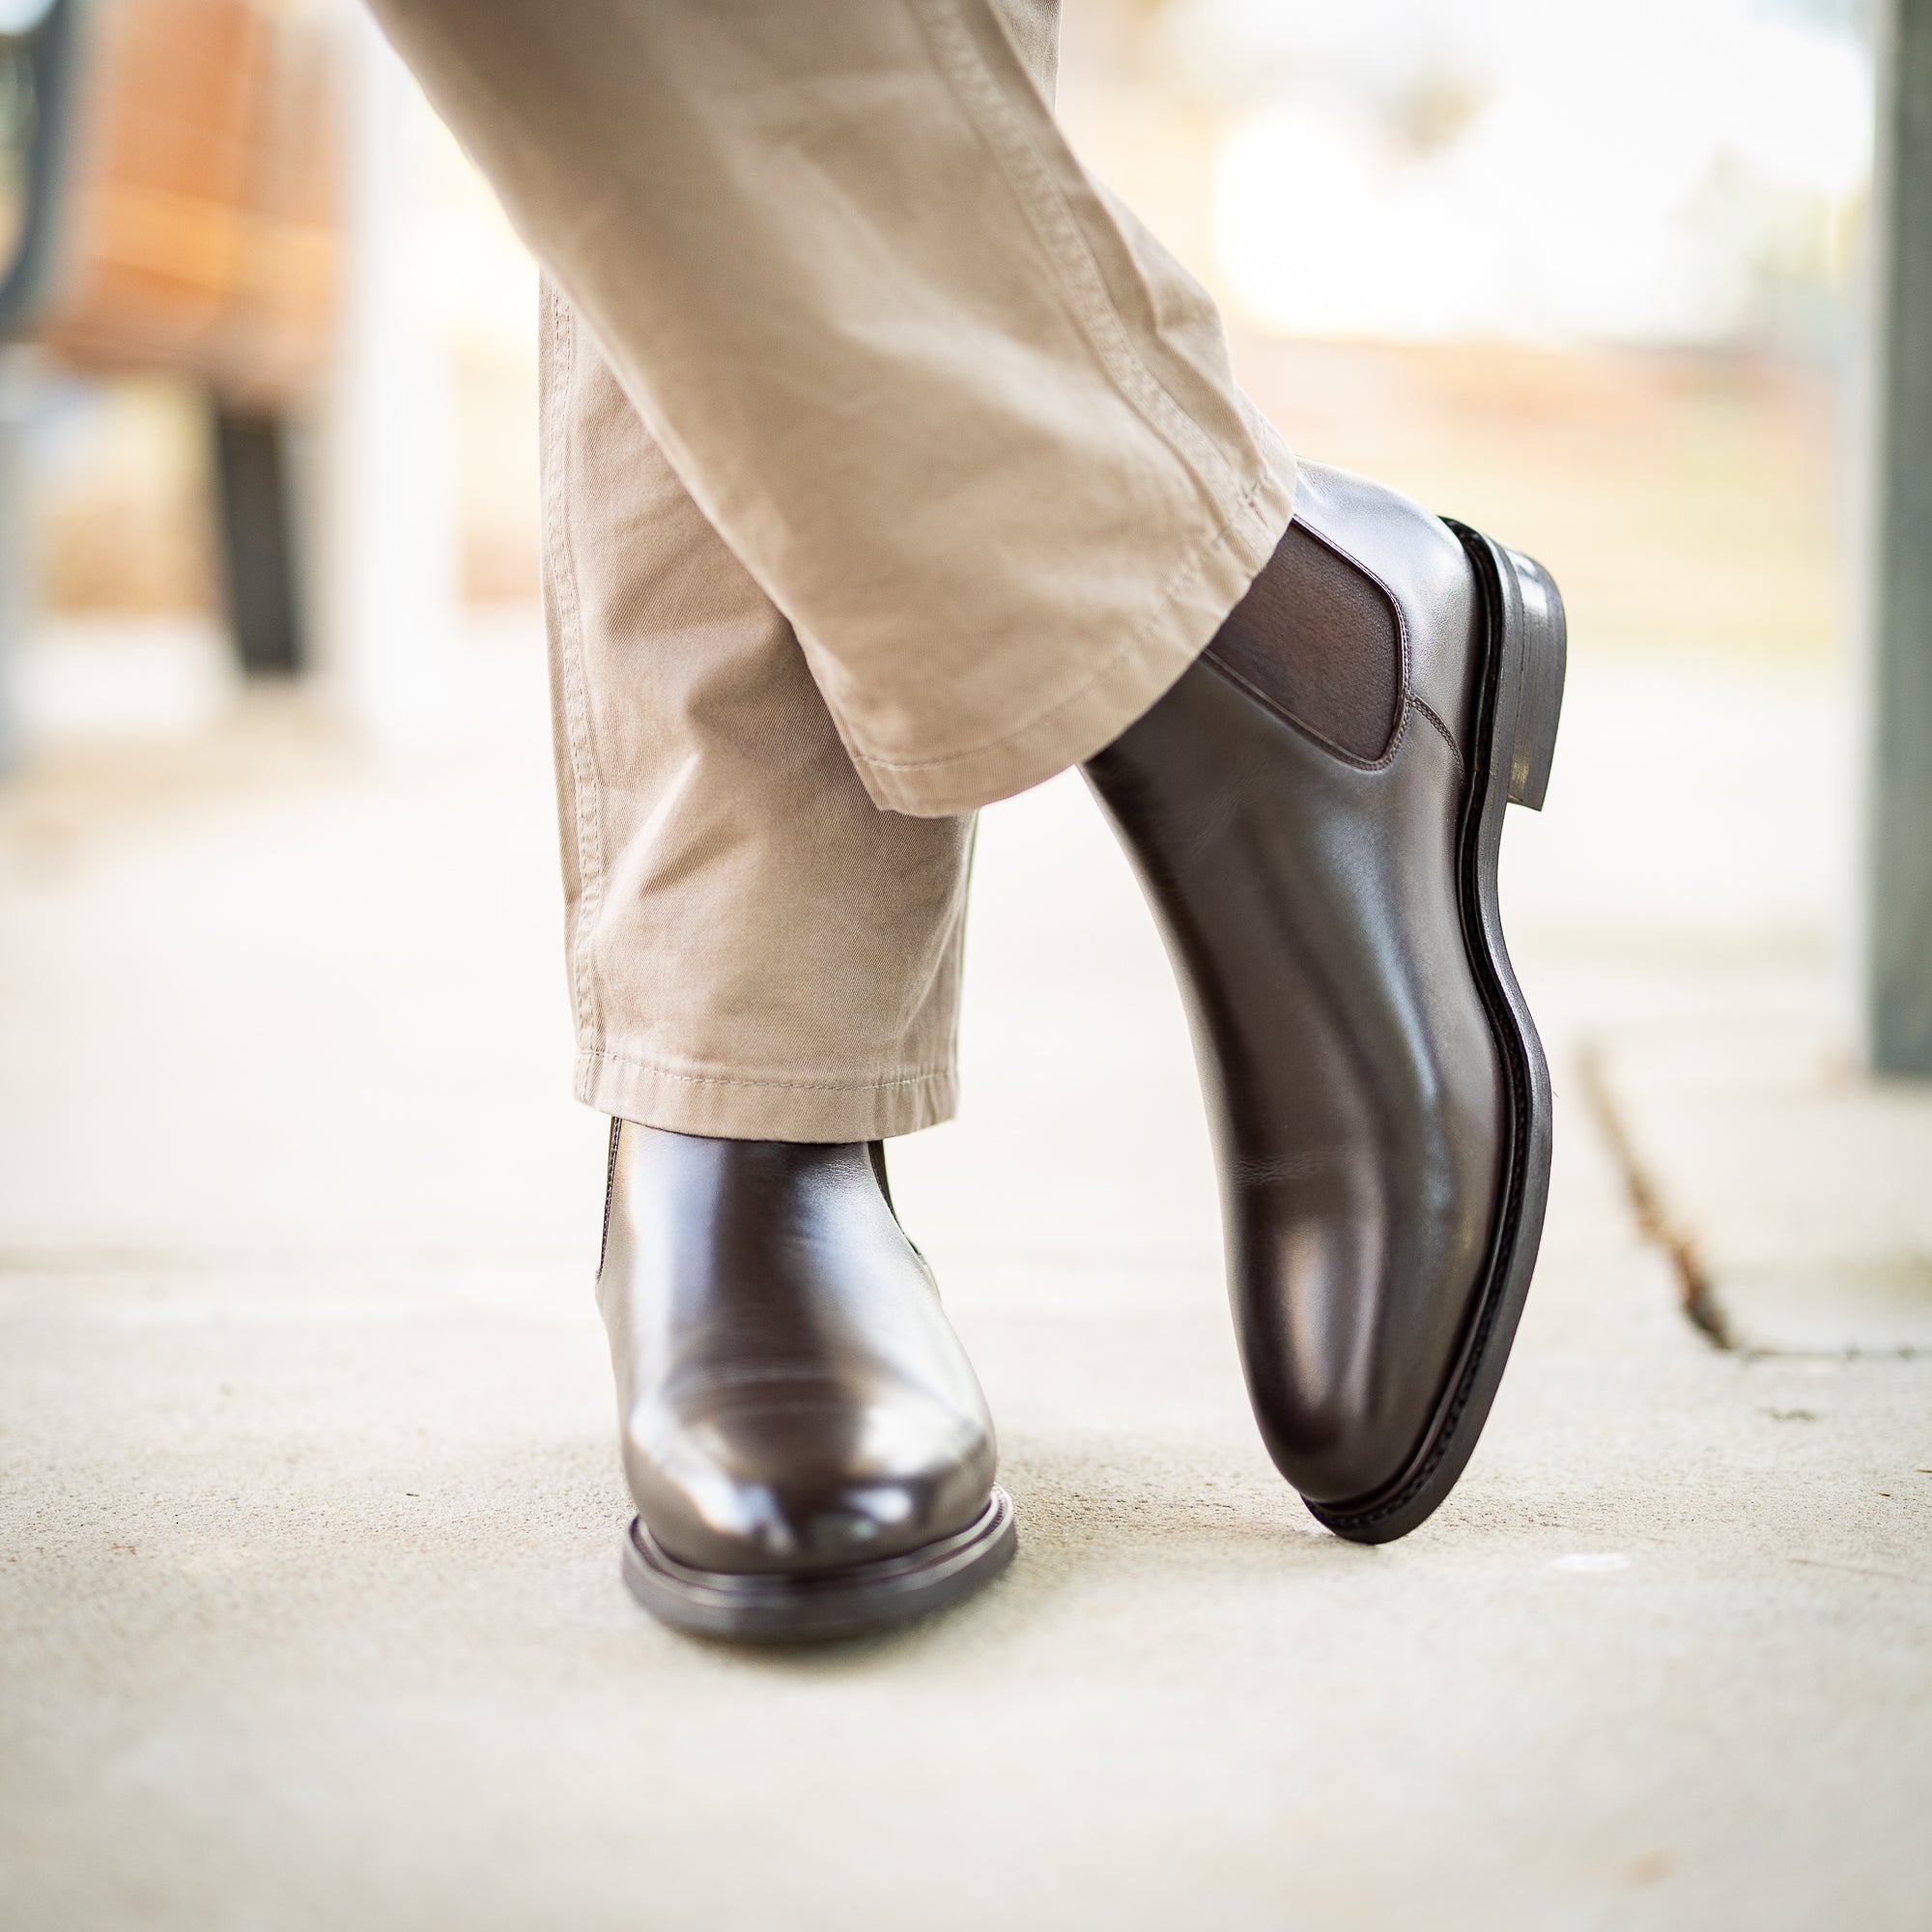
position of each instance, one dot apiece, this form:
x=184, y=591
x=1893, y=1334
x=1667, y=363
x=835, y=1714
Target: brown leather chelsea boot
x=806, y=1442
x=1315, y=809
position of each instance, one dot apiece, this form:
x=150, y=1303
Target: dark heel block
x=1545, y=647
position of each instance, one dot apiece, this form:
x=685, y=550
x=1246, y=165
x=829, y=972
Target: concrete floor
x=309, y=1609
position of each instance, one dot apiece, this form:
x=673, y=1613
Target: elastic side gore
x=1322, y=643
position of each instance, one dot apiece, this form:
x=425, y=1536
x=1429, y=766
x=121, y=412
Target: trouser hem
x=750, y=1107
x=1193, y=608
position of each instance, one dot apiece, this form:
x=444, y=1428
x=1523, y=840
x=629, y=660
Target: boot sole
x=817, y=1606
x=1524, y=652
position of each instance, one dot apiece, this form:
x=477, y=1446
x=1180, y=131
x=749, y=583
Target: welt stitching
x=653, y=1066
x=1081, y=279
x=1192, y=567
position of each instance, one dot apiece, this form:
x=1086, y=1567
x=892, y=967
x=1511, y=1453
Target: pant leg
x=956, y=412
x=755, y=949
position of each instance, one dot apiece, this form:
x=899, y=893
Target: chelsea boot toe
x=806, y=1442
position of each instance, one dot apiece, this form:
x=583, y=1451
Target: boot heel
x=1542, y=640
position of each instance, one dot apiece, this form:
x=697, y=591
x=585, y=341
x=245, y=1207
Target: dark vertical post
x=37, y=74
x=1898, y=880
x=258, y=539
x=17, y=559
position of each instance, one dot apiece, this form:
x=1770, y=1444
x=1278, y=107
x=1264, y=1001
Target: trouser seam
x=1192, y=566
x=959, y=948
x=1082, y=282
x=657, y=1071
x=586, y=799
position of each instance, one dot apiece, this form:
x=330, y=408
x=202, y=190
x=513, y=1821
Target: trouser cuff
x=750, y=1107
x=1072, y=727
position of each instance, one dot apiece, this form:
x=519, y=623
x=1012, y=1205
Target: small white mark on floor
x=1592, y=1563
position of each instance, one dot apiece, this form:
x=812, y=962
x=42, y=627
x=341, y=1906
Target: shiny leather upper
x=1310, y=902
x=790, y=1394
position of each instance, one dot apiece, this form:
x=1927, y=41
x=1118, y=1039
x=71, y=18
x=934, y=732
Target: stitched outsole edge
x=825, y=1605
x=1451, y=1439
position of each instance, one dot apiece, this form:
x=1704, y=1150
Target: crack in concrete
x=1861, y=1570
x=1696, y=1292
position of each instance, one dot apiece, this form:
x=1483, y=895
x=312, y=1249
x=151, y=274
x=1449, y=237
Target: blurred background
x=1590, y=274
x=304, y=1445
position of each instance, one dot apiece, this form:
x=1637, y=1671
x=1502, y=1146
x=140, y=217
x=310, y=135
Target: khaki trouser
x=890, y=466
